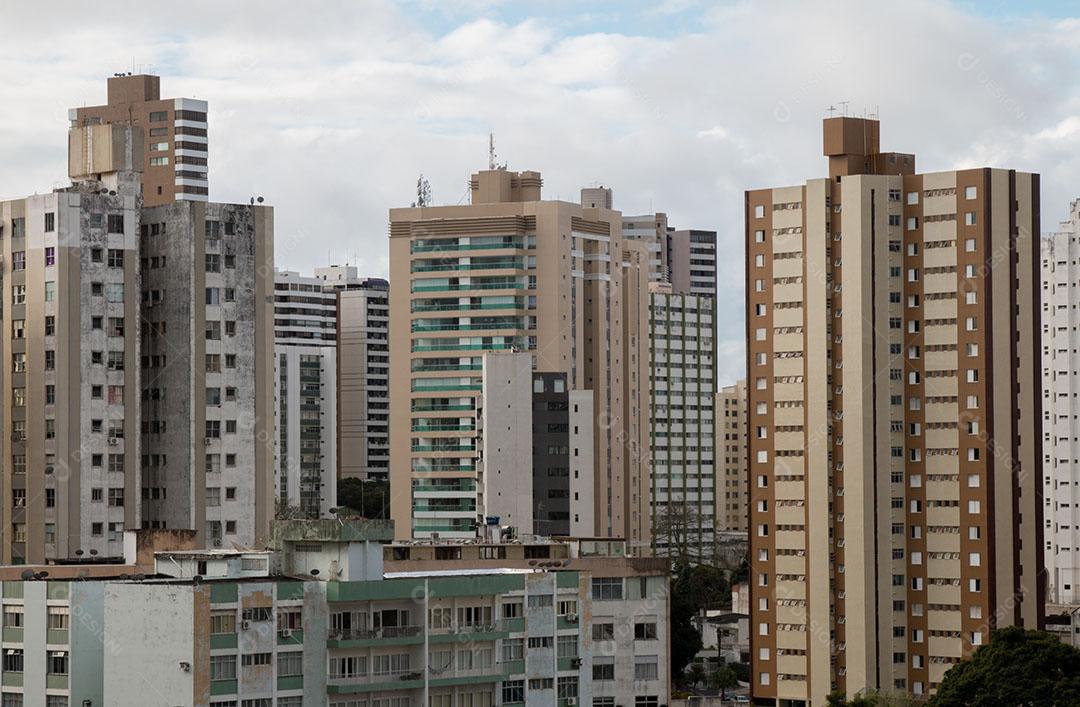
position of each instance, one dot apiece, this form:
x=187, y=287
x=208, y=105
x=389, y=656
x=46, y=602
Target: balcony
x=388, y=635
x=440, y=266
x=471, y=286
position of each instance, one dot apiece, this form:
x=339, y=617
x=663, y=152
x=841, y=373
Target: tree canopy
x=1017, y=667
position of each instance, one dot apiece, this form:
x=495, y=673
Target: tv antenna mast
x=423, y=192
x=493, y=162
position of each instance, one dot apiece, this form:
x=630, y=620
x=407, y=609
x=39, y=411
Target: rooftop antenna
x=423, y=192
x=493, y=162
x=844, y=106
x=831, y=110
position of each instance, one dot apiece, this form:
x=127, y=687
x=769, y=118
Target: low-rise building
x=320, y=619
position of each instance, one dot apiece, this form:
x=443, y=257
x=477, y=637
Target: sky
x=332, y=110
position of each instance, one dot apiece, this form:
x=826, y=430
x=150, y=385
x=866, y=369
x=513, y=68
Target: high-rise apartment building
x=732, y=499
x=207, y=370
x=173, y=153
x=534, y=433
x=681, y=337
x=894, y=409
x=363, y=358
x=1061, y=431
x=690, y=255
x=513, y=272
x=305, y=310
x=305, y=388
x=651, y=230
x=305, y=437
x=70, y=369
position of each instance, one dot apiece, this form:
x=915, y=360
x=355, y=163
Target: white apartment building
x=1061, y=406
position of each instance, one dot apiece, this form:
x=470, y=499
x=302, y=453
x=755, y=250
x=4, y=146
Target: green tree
x=1017, y=667
x=370, y=499
x=685, y=639
x=695, y=674
x=723, y=679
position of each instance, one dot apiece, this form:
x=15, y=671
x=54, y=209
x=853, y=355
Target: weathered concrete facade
x=70, y=373
x=208, y=407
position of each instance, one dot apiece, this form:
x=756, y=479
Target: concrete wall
x=507, y=439
x=154, y=626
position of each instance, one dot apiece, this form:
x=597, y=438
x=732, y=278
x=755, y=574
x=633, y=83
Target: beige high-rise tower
x=512, y=272
x=894, y=410
x=731, y=492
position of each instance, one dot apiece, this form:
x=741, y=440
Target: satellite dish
x=138, y=577
x=93, y=552
x=78, y=553
x=259, y=199
x=315, y=573
x=41, y=575
x=197, y=579
x=27, y=575
x=112, y=193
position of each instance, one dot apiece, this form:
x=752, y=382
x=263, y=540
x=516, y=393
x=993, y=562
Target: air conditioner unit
x=217, y=542
x=208, y=440
x=245, y=625
x=286, y=633
x=113, y=441
x=571, y=618
x=575, y=662
x=571, y=701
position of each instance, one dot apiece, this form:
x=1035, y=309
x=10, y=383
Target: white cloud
x=331, y=109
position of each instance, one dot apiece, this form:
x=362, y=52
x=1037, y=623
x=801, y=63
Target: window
x=567, y=646
x=13, y=660
x=158, y=162
x=58, y=617
x=249, y=659
x=18, y=260
x=116, y=497
x=290, y=664
x=540, y=600
x=645, y=631
x=223, y=667
x=603, y=631
x=50, y=325
x=645, y=667
x=114, y=292
x=223, y=621
x=50, y=291
x=607, y=588
x=513, y=649
x=58, y=663
x=541, y=642
x=603, y=668
x=513, y=691
x=259, y=613
x=13, y=617
x=159, y=116
x=567, y=687
x=116, y=258
x=116, y=223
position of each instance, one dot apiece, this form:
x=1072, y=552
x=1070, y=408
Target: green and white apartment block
x=322, y=620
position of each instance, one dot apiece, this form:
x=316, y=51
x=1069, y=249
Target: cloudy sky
x=331, y=110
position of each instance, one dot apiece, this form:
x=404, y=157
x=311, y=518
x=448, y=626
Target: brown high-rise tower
x=893, y=419
x=174, y=136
